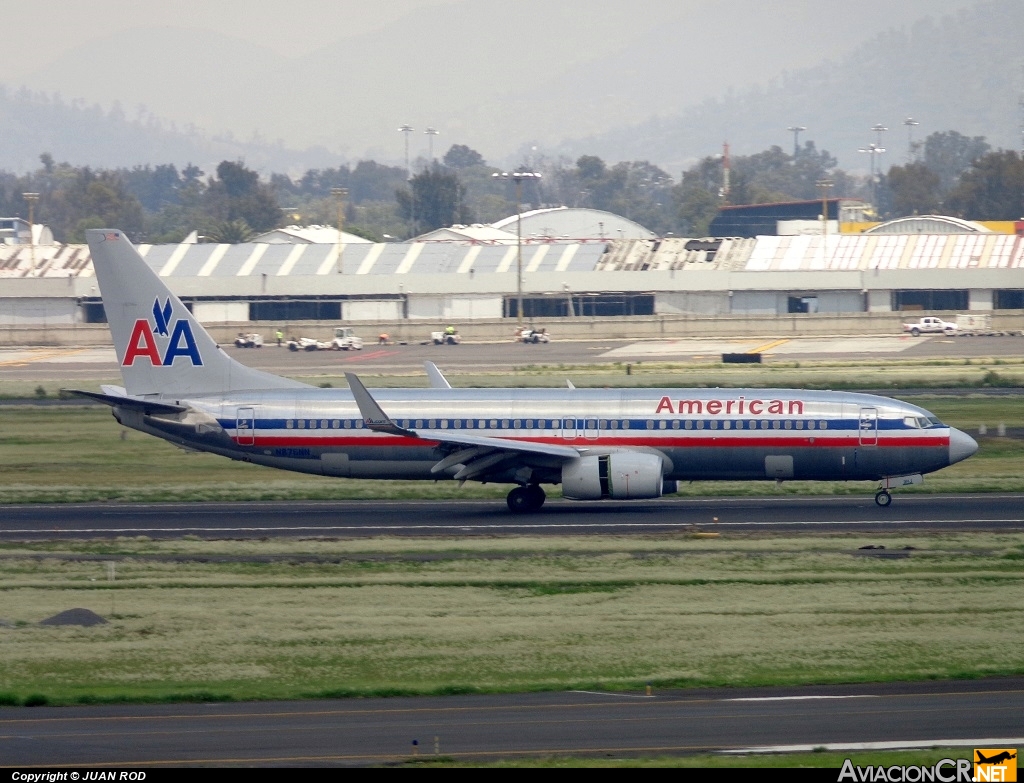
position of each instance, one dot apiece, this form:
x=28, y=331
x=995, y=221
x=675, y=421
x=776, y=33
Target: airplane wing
x=477, y=454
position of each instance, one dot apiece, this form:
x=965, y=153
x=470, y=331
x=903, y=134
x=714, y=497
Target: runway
x=69, y=364
x=784, y=514
x=983, y=713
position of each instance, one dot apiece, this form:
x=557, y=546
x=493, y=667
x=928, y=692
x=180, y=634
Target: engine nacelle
x=622, y=475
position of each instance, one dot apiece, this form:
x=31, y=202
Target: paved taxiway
x=64, y=364
x=821, y=514
x=983, y=713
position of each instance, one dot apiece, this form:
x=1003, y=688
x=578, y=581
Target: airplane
x=996, y=759
x=617, y=444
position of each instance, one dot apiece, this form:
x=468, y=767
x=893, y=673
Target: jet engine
x=621, y=475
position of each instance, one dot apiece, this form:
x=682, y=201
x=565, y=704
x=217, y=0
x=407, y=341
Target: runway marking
x=769, y=346
x=986, y=742
x=683, y=526
x=618, y=695
x=39, y=356
x=805, y=698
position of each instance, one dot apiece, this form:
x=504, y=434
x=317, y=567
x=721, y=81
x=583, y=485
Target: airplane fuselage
x=702, y=434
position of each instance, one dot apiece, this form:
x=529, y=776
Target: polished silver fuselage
x=704, y=434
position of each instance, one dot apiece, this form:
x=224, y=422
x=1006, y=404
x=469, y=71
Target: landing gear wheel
x=524, y=500
x=883, y=498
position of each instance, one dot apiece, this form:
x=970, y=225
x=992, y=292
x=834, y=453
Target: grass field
x=295, y=618
x=70, y=454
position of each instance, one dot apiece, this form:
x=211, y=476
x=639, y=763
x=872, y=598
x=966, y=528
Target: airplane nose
x=961, y=445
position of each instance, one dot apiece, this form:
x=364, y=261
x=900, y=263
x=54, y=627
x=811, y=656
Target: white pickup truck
x=930, y=325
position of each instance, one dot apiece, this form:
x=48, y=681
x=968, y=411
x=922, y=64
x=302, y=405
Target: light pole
x=407, y=129
x=518, y=177
x=339, y=194
x=795, y=130
x=824, y=185
x=910, y=122
x=31, y=199
x=879, y=129
x=873, y=150
x=431, y=133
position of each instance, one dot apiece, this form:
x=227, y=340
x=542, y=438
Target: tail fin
x=161, y=348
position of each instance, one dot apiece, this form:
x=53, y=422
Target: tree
x=229, y=232
x=237, y=194
x=436, y=198
x=993, y=188
x=462, y=157
x=912, y=190
x=950, y=154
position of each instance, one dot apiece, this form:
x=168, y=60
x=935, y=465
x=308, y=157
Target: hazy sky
x=48, y=28
x=499, y=75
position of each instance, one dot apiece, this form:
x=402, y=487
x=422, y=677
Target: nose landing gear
x=526, y=500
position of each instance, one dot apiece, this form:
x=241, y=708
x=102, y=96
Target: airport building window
x=929, y=300
x=305, y=310
x=1008, y=299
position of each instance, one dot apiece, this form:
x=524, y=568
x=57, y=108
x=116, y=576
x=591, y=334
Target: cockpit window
x=934, y=422
x=911, y=421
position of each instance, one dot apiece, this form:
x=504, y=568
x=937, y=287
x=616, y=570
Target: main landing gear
x=525, y=500
x=883, y=498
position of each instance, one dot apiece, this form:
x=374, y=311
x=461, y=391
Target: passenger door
x=245, y=426
x=868, y=435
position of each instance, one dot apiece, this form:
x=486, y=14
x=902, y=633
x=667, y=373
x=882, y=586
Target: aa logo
x=995, y=764
x=175, y=337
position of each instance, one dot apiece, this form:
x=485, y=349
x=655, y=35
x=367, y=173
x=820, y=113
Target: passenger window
x=529, y=424
x=302, y=424
x=689, y=424
x=312, y=424
x=289, y=424
x=764, y=425
x=517, y=424
x=714, y=424
x=700, y=424
x=650, y=424
x=789, y=425
x=444, y=424
x=823, y=425
x=810, y=425
x=776, y=424
x=494, y=424
x=663, y=425
x=419, y=424
x=726, y=425
x=675, y=424
x=336, y=424
x=457, y=424
x=800, y=424
x=323, y=424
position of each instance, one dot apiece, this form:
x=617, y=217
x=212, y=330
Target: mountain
x=32, y=123
x=962, y=72
x=498, y=75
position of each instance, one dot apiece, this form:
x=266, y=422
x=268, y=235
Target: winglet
x=437, y=379
x=373, y=416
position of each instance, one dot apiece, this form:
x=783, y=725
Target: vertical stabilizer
x=161, y=348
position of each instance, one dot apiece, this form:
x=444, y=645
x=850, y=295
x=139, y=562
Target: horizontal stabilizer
x=133, y=403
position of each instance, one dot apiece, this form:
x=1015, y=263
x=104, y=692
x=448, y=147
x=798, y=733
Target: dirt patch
x=75, y=617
